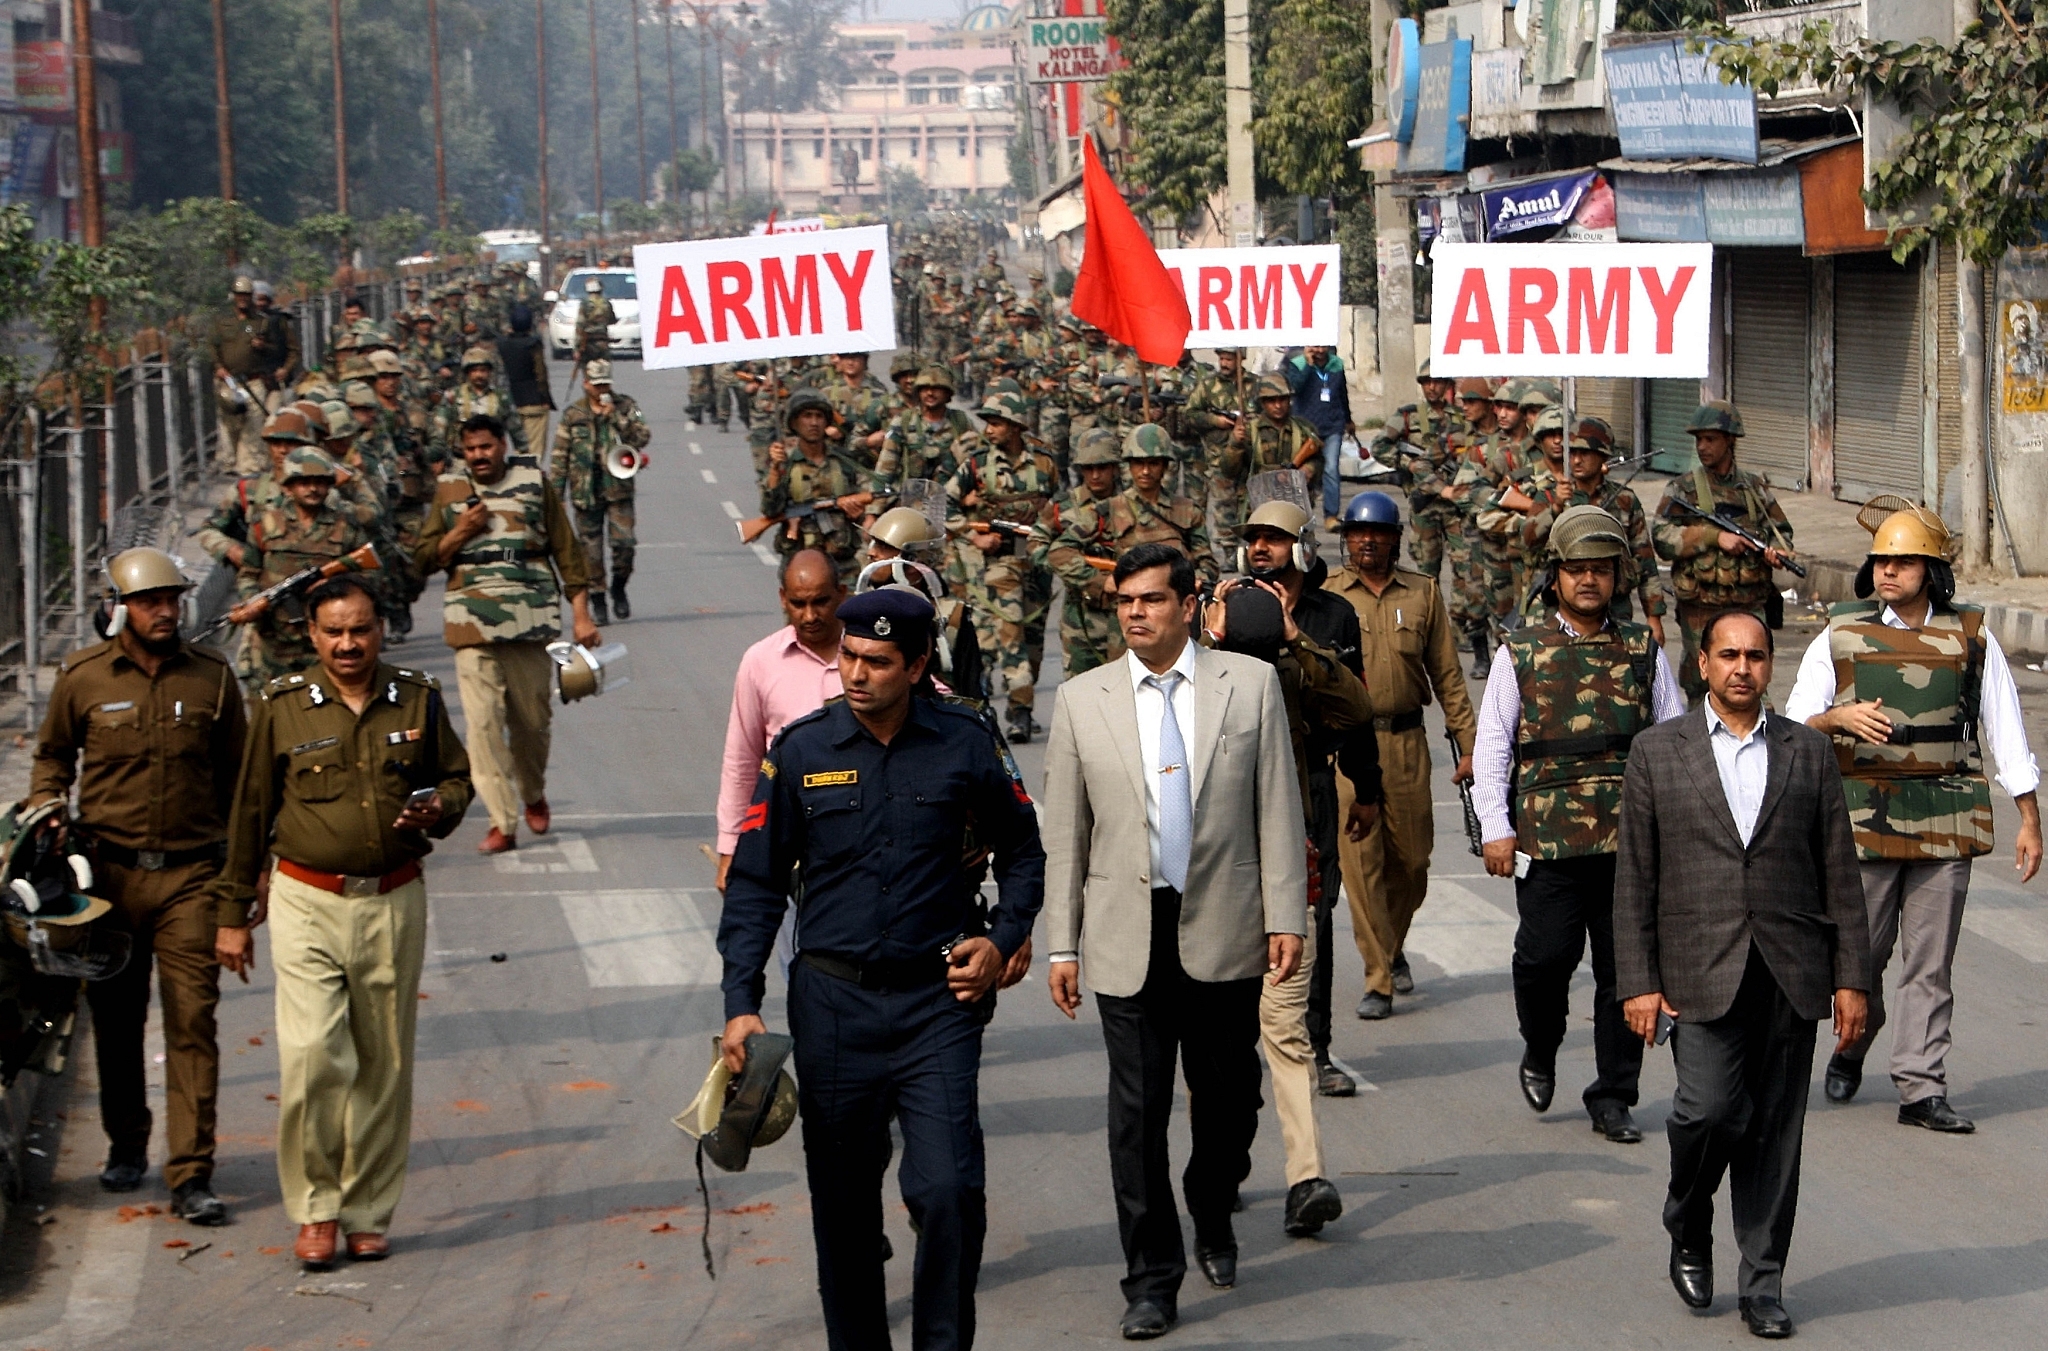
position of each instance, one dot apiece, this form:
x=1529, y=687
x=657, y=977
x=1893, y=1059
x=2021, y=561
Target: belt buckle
x=360, y=886
x=1383, y=723
x=150, y=860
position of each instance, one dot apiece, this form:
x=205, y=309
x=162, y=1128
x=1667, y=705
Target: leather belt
x=915, y=973
x=1398, y=722
x=156, y=860
x=1910, y=734
x=341, y=884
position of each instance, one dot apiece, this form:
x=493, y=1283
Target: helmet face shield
x=94, y=956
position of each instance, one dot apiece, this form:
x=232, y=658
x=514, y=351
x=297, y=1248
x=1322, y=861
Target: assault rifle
x=1472, y=830
x=363, y=559
x=1716, y=518
x=757, y=526
x=1013, y=530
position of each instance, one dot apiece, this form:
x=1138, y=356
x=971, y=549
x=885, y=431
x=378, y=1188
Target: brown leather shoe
x=537, y=817
x=497, y=842
x=368, y=1247
x=315, y=1248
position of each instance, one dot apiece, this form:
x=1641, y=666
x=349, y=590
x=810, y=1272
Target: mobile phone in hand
x=420, y=797
x=1665, y=1022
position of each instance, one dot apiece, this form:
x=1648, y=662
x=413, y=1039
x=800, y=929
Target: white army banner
x=1633, y=311
x=1279, y=297
x=794, y=295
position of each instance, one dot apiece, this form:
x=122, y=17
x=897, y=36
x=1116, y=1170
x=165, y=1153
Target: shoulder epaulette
x=425, y=678
x=813, y=716
x=78, y=659
x=206, y=653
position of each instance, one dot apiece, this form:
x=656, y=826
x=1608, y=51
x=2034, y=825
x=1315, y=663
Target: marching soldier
x=1487, y=466
x=1468, y=599
x=524, y=359
x=1088, y=627
x=1583, y=686
x=817, y=492
x=300, y=528
x=1913, y=687
x=1504, y=511
x=1588, y=485
x=863, y=402
x=483, y=314
x=594, y=320
x=350, y=768
x=1418, y=447
x=237, y=346
x=280, y=340
x=599, y=501
x=1217, y=405
x=1276, y=439
x=1714, y=569
x=478, y=396
x=1003, y=480
x=921, y=444
x=149, y=728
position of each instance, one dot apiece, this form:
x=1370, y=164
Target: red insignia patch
x=1023, y=798
x=756, y=817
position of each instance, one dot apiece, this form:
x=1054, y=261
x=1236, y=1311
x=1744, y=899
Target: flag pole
x=1145, y=385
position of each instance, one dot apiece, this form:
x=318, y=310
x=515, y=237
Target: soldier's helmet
x=1285, y=517
x=1594, y=434
x=1716, y=415
x=387, y=363
x=597, y=372
x=1540, y=393
x=133, y=571
x=360, y=396
x=309, y=462
x=1587, y=532
x=1903, y=529
x=937, y=376
x=1006, y=405
x=1422, y=371
x=1508, y=391
x=341, y=424
x=802, y=402
x=1148, y=441
x=1025, y=307
x=903, y=363
x=1472, y=387
x=1551, y=419
x=1068, y=323
x=477, y=356
x=593, y=287
x=289, y=424
x=1097, y=445
x=1272, y=387
x=242, y=286
x=903, y=528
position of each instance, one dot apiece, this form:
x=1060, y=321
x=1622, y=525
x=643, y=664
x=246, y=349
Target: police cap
x=1372, y=508
x=891, y=616
x=1716, y=415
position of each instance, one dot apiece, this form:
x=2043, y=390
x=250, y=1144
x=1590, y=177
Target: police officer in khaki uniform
x=350, y=768
x=149, y=728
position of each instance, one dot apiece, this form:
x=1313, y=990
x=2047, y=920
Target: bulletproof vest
x=1583, y=701
x=502, y=586
x=1129, y=520
x=1715, y=577
x=1923, y=794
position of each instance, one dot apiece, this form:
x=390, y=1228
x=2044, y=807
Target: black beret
x=891, y=615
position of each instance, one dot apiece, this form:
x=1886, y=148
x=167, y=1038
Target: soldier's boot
x=1021, y=726
x=620, y=605
x=1482, y=653
x=599, y=614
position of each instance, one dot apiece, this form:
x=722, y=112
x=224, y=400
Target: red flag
x=1124, y=289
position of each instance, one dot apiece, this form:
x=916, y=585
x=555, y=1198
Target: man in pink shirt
x=791, y=672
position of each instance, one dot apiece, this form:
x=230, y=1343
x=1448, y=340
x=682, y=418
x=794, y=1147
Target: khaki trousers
x=348, y=980
x=1917, y=907
x=535, y=419
x=1283, y=1035
x=506, y=688
x=1386, y=874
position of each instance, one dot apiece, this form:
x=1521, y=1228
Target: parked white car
x=620, y=287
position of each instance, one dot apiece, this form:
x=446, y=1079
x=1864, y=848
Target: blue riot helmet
x=1370, y=508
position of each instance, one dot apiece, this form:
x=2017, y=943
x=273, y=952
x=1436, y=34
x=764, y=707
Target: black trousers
x=1213, y=1026
x=1323, y=828
x=1563, y=903
x=1740, y=1108
x=863, y=1057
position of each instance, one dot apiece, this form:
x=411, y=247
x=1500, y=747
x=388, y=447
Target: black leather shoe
x=1935, y=1114
x=124, y=1174
x=1146, y=1319
x=1219, y=1266
x=1692, y=1276
x=194, y=1202
x=1404, y=979
x=1332, y=1082
x=621, y=607
x=1844, y=1077
x=1765, y=1316
x=1311, y=1204
x=1612, y=1120
x=1374, y=1007
x=1538, y=1084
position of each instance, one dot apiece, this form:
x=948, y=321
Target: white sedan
x=620, y=288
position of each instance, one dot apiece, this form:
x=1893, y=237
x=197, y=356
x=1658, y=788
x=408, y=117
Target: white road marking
x=636, y=938
x=709, y=477
x=562, y=852
x=1461, y=931
x=696, y=449
x=732, y=511
x=764, y=553
x=2009, y=919
x=1365, y=1085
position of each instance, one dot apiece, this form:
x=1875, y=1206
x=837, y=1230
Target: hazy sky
x=909, y=9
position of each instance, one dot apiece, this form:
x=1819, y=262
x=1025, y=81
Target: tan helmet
x=136, y=570
x=581, y=671
x=597, y=371
x=1906, y=530
x=341, y=424
x=1587, y=532
x=1472, y=387
x=903, y=528
x=1285, y=517
x=1272, y=387
x=385, y=362
x=359, y=395
x=478, y=355
x=242, y=286
x=1097, y=445
x=289, y=424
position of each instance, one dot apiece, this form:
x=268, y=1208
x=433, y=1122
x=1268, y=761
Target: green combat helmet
x=1716, y=415
x=803, y=401
x=308, y=462
x=904, y=363
x=1006, y=406
x=289, y=424
x=1551, y=419
x=1592, y=532
x=1273, y=387
x=1148, y=441
x=937, y=376
x=1097, y=445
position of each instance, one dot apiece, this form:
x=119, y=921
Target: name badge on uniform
x=122, y=707
x=396, y=738
x=1326, y=393
x=322, y=744
x=832, y=778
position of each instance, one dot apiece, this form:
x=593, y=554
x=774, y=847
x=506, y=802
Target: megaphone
x=624, y=461
x=581, y=672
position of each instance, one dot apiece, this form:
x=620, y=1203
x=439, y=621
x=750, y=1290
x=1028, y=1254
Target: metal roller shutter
x=1672, y=403
x=1767, y=361
x=1615, y=401
x=1879, y=427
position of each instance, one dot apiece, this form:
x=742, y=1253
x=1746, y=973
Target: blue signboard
x=1659, y=208
x=1670, y=103
x=1546, y=202
x=1404, y=63
x=1757, y=207
x=1443, y=101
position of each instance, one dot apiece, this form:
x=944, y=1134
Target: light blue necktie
x=1176, y=792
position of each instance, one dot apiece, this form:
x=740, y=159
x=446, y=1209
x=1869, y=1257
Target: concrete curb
x=2021, y=630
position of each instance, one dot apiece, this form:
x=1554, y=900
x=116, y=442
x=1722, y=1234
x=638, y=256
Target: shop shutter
x=1767, y=362
x=1671, y=406
x=1615, y=401
x=1879, y=403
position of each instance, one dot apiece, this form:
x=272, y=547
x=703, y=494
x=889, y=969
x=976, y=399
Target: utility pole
x=440, y=148
x=223, y=116
x=1242, y=184
x=703, y=102
x=596, y=125
x=85, y=99
x=1395, y=263
x=340, y=112
x=1976, y=448
x=675, y=143
x=639, y=107
x=540, y=48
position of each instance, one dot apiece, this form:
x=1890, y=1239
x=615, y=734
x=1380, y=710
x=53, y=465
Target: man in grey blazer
x=1176, y=872
x=1738, y=912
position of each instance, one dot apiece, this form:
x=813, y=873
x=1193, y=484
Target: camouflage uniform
x=1619, y=502
x=1501, y=526
x=1418, y=448
x=283, y=542
x=1112, y=528
x=864, y=409
x=1704, y=577
x=463, y=403
x=594, y=322
x=917, y=447
x=1215, y=403
x=1009, y=589
x=1482, y=564
x=827, y=529
x=599, y=504
x=1088, y=627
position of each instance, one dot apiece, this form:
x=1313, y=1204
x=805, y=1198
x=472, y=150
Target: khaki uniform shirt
x=321, y=784
x=154, y=758
x=1409, y=650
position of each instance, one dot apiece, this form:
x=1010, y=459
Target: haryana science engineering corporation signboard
x=1076, y=50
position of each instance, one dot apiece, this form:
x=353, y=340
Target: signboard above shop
x=1670, y=103
x=1443, y=103
x=1068, y=50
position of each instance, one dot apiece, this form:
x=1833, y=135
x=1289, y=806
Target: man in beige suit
x=1176, y=872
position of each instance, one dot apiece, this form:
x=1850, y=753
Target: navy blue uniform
x=870, y=838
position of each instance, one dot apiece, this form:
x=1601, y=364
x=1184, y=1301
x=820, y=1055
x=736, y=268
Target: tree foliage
x=793, y=60
x=1973, y=167
x=1312, y=92
x=1171, y=98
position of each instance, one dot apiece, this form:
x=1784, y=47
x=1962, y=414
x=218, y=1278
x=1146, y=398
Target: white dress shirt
x=1999, y=725
x=1744, y=764
x=1500, y=718
x=1151, y=708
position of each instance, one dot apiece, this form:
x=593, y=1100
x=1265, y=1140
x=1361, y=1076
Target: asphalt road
x=551, y=1203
